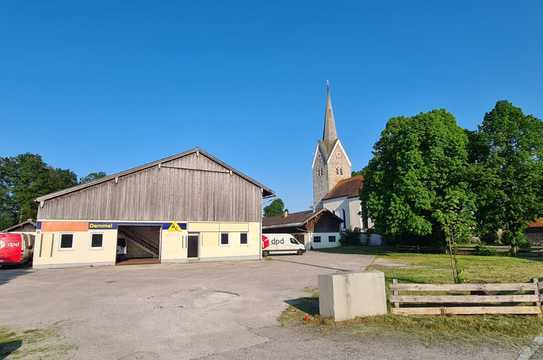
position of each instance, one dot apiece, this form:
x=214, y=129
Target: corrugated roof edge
x=29, y=221
x=151, y=164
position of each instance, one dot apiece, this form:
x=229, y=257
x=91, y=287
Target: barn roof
x=294, y=219
x=20, y=225
x=346, y=188
x=265, y=190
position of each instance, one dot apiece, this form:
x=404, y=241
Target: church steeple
x=329, y=135
x=331, y=163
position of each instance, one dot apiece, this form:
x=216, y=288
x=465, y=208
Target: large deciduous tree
x=276, y=207
x=92, y=176
x=23, y=178
x=415, y=187
x=508, y=172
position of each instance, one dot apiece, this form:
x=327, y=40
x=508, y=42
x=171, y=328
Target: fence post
x=395, y=294
x=538, y=298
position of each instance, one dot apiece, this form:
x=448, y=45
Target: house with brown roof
x=534, y=233
x=320, y=229
x=344, y=201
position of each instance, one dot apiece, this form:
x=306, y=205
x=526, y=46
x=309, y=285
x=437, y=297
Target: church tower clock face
x=331, y=163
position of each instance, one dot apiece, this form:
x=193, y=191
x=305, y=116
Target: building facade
x=316, y=230
x=344, y=201
x=187, y=207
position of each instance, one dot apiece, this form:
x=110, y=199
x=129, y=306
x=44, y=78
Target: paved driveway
x=164, y=311
x=212, y=311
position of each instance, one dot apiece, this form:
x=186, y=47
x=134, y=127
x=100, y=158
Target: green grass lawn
x=35, y=344
x=506, y=331
x=434, y=268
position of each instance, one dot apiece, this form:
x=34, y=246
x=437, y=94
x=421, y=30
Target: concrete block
x=346, y=296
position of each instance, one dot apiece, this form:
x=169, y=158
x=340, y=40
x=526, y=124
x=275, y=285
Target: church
x=334, y=188
x=336, y=202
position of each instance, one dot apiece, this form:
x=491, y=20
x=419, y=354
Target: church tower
x=330, y=162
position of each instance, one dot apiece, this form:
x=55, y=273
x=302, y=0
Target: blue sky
x=105, y=85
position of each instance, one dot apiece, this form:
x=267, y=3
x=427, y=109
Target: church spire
x=329, y=135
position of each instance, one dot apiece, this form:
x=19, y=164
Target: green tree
x=276, y=207
x=508, y=172
x=92, y=176
x=415, y=186
x=23, y=178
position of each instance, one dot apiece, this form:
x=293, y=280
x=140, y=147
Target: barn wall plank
x=191, y=188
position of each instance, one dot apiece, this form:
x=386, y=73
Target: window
x=340, y=171
x=243, y=238
x=224, y=239
x=66, y=241
x=316, y=239
x=337, y=171
x=96, y=240
x=332, y=238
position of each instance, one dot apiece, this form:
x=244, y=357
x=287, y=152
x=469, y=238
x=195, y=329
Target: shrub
x=350, y=237
x=482, y=250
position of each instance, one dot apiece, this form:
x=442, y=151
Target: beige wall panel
x=173, y=246
x=82, y=253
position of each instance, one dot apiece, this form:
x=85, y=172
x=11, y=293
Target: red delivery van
x=15, y=248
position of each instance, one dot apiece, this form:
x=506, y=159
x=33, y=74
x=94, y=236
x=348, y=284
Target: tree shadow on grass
x=308, y=305
x=9, y=347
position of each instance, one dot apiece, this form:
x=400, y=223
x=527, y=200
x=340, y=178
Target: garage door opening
x=138, y=244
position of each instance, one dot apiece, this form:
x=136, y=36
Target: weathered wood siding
x=191, y=188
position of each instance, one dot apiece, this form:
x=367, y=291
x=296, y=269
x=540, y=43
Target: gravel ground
x=223, y=310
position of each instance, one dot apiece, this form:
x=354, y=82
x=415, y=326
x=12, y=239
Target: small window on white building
x=332, y=238
x=97, y=240
x=224, y=238
x=67, y=241
x=317, y=239
x=243, y=238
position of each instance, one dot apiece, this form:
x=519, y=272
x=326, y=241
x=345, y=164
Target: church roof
x=346, y=188
x=329, y=134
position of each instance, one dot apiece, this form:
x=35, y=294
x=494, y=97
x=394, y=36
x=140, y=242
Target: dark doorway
x=193, y=240
x=138, y=243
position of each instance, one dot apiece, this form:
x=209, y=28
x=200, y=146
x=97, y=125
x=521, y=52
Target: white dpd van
x=281, y=244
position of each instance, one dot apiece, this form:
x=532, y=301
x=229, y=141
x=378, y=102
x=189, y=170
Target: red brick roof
x=348, y=187
x=536, y=224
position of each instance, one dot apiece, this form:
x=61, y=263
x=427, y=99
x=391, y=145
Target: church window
x=340, y=171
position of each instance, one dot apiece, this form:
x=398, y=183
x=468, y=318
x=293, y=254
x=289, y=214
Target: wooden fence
x=466, y=299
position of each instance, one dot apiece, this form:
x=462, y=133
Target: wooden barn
x=186, y=207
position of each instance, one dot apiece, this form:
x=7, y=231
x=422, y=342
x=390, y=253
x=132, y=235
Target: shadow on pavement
x=8, y=347
x=309, y=305
x=8, y=274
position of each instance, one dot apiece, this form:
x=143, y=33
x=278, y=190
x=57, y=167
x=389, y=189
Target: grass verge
x=506, y=331
x=34, y=344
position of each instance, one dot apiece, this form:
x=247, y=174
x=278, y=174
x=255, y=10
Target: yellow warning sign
x=174, y=227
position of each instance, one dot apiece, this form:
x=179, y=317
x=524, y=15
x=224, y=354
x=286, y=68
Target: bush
x=482, y=250
x=350, y=237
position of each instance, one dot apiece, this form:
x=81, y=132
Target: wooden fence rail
x=514, y=298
